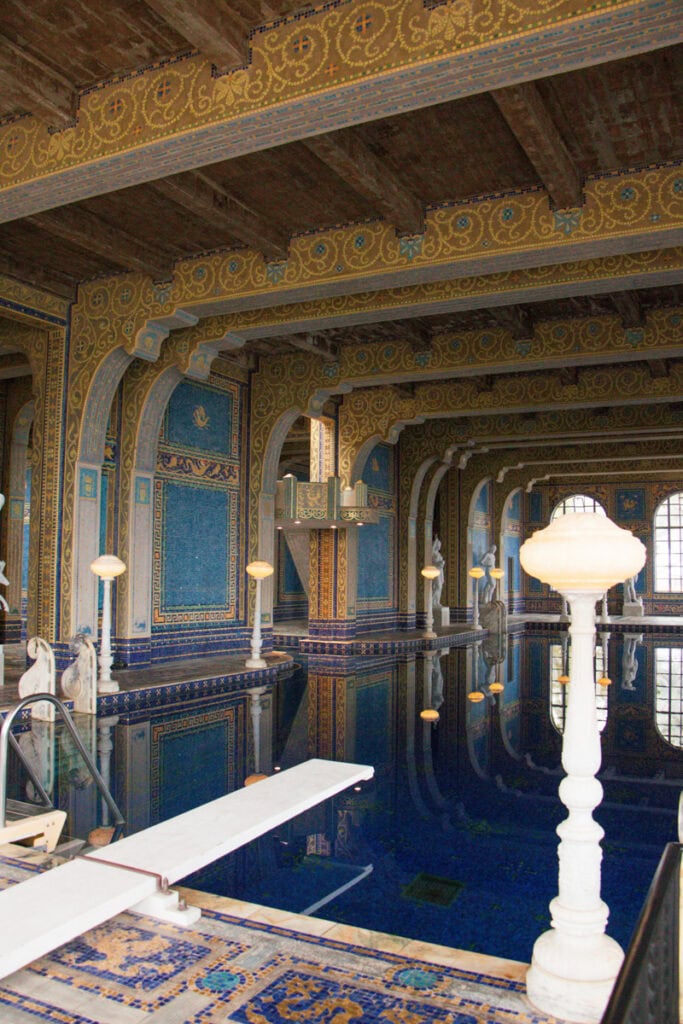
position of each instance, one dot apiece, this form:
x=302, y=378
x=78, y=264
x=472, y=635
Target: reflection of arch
x=19, y=473
x=668, y=544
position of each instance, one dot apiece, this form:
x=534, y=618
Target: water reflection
x=458, y=824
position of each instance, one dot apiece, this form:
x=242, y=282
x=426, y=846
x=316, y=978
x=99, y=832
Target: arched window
x=669, y=694
x=669, y=545
x=577, y=503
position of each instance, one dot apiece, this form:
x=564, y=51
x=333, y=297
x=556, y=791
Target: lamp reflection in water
x=258, y=571
x=430, y=572
x=476, y=572
x=575, y=963
x=107, y=567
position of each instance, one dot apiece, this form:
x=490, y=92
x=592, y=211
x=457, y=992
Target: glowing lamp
x=496, y=688
x=258, y=571
x=476, y=696
x=429, y=715
x=430, y=572
x=107, y=568
x=476, y=573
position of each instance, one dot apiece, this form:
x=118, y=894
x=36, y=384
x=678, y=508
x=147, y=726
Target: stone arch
x=507, y=549
x=136, y=606
x=484, y=482
x=87, y=484
x=266, y=502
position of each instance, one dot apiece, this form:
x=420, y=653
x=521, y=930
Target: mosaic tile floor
x=252, y=965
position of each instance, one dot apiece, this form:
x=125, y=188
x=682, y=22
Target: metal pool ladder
x=27, y=821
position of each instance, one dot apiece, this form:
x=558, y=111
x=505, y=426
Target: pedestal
x=632, y=610
x=442, y=616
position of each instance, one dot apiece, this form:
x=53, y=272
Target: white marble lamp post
x=430, y=572
x=575, y=963
x=497, y=575
x=107, y=567
x=258, y=571
x=476, y=573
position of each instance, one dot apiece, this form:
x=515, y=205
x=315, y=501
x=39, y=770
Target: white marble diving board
x=47, y=910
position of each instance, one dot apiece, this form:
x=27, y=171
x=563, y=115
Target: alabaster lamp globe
x=259, y=570
x=430, y=572
x=108, y=567
x=476, y=572
x=429, y=715
x=582, y=551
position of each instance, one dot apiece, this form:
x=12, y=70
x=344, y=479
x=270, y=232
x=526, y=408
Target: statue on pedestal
x=633, y=605
x=488, y=562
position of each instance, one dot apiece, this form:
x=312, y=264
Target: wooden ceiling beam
x=83, y=229
x=529, y=120
x=404, y=390
x=317, y=344
x=348, y=156
x=199, y=195
x=629, y=309
x=36, y=274
x=29, y=84
x=213, y=28
x=515, y=319
x=659, y=368
x=418, y=335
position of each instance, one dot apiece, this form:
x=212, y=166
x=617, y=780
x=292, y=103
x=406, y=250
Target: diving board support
x=54, y=907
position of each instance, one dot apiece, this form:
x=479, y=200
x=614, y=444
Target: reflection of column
x=410, y=741
x=431, y=666
x=38, y=747
x=105, y=746
x=255, y=694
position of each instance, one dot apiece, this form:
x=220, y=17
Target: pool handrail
x=5, y=732
x=647, y=986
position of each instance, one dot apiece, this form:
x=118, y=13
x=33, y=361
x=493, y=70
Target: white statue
x=79, y=679
x=488, y=562
x=437, y=584
x=633, y=605
x=39, y=678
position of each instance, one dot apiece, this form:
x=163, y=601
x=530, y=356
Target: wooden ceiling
x=554, y=132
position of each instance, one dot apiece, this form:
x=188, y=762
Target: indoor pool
x=453, y=841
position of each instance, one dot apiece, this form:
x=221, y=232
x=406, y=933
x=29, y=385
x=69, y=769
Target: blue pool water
x=453, y=841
